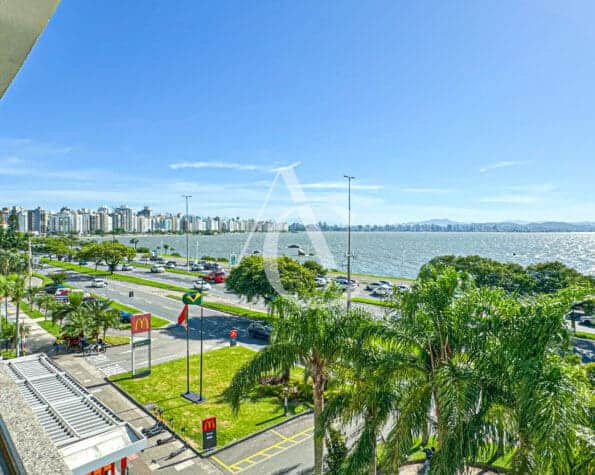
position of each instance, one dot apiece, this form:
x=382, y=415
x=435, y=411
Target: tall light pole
x=349, y=178
x=187, y=250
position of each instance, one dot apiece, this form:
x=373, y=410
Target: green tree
x=58, y=277
x=315, y=267
x=5, y=292
x=17, y=293
x=134, y=242
x=553, y=276
x=252, y=277
x=13, y=220
x=101, y=315
x=314, y=336
x=46, y=302
x=65, y=312
x=31, y=292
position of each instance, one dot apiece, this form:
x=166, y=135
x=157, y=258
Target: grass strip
x=45, y=280
x=587, y=335
x=156, y=321
x=121, y=277
x=232, y=309
x=379, y=303
x=25, y=307
x=261, y=408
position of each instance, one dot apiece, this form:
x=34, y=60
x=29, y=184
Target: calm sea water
x=392, y=253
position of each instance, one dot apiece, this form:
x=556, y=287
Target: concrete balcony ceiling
x=21, y=23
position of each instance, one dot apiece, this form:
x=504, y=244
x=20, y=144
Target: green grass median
x=232, y=309
x=586, y=335
x=121, y=277
x=163, y=387
x=379, y=303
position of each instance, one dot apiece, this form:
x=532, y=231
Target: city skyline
x=470, y=114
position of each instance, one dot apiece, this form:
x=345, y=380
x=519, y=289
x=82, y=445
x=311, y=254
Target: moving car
x=201, y=284
x=403, y=288
x=260, y=330
x=197, y=267
x=126, y=267
x=170, y=264
x=216, y=277
x=588, y=321
x=320, y=281
x=98, y=283
x=83, y=263
x=157, y=269
x=373, y=285
x=381, y=291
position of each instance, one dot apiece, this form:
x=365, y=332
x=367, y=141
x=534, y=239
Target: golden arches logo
x=209, y=424
x=140, y=323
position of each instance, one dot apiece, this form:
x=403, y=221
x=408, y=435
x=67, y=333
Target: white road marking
x=183, y=465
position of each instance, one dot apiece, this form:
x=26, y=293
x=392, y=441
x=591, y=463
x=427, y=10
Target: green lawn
x=168, y=380
x=50, y=327
x=45, y=280
x=156, y=322
x=232, y=309
x=25, y=307
x=587, y=335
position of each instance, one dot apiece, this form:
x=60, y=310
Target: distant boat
x=293, y=246
x=301, y=252
x=255, y=252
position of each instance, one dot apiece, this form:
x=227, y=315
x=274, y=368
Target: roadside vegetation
x=231, y=309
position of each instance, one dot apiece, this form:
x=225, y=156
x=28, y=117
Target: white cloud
x=338, y=185
x=217, y=164
x=426, y=190
x=502, y=164
x=536, y=188
x=510, y=199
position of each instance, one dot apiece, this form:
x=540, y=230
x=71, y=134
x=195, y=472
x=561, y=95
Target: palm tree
x=69, y=310
x=17, y=294
x=370, y=384
x=102, y=315
x=31, y=292
x=5, y=290
x=46, y=302
x=134, y=242
x=314, y=336
x=79, y=323
x=166, y=247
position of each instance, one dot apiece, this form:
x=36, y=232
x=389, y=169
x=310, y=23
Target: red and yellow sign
x=209, y=424
x=140, y=323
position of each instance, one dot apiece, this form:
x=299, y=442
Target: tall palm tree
x=370, y=383
x=79, y=323
x=46, y=302
x=314, y=336
x=102, y=316
x=134, y=242
x=17, y=293
x=5, y=290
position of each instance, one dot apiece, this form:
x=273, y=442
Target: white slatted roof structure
x=87, y=433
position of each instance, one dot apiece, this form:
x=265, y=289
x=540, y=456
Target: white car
x=98, y=283
x=200, y=284
x=382, y=291
x=157, y=269
x=320, y=281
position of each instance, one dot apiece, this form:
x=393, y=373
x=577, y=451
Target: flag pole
x=201, y=338
x=187, y=352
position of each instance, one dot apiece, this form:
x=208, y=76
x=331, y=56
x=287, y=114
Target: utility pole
x=187, y=251
x=349, y=178
x=30, y=267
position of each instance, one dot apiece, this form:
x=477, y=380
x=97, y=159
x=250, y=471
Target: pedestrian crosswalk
x=105, y=365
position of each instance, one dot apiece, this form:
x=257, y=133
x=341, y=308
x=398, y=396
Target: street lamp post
x=349, y=178
x=186, y=225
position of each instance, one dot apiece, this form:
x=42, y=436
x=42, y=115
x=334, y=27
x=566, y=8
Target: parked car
x=386, y=283
x=52, y=288
x=373, y=285
x=260, y=330
x=216, y=277
x=98, y=283
x=403, y=288
x=588, y=320
x=157, y=269
x=124, y=316
x=126, y=267
x=170, y=264
x=83, y=263
x=381, y=291
x=201, y=284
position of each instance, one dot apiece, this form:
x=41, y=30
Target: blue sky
x=473, y=111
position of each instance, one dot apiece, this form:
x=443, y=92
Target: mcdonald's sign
x=209, y=432
x=140, y=323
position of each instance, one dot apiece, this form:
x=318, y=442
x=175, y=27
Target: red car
x=217, y=277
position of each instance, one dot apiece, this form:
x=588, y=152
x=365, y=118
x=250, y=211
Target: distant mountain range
x=446, y=225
